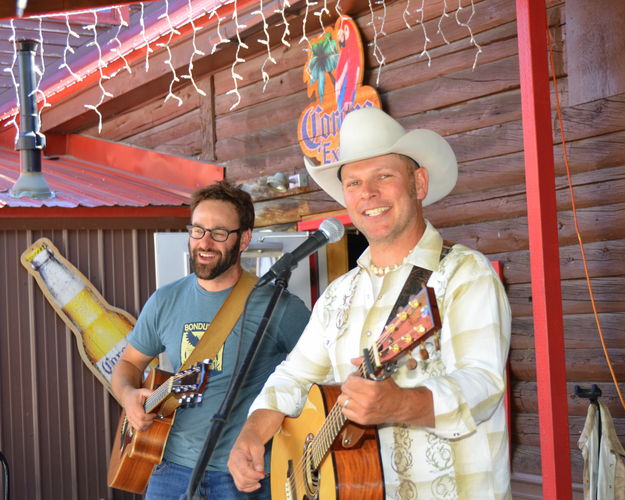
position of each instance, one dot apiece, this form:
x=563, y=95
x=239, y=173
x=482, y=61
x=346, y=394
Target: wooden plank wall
x=478, y=110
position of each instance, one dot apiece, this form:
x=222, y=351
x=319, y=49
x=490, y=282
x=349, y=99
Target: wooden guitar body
x=352, y=469
x=135, y=454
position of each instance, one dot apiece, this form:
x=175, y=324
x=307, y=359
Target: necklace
x=381, y=271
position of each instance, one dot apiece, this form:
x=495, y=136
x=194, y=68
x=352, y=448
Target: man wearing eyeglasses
x=174, y=319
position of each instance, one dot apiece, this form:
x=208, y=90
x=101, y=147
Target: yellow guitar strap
x=219, y=329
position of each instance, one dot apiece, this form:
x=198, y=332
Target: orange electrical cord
x=577, y=231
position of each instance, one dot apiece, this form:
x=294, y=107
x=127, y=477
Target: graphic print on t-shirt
x=191, y=335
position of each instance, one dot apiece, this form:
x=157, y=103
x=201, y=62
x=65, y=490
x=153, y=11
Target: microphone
x=330, y=231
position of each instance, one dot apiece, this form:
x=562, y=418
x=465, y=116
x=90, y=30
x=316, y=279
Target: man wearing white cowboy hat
x=440, y=420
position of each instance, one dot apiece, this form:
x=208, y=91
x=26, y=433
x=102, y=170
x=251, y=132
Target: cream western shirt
x=466, y=454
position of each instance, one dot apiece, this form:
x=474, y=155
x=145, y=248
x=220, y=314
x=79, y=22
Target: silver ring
x=346, y=402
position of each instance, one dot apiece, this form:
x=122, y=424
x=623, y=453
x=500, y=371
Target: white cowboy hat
x=370, y=132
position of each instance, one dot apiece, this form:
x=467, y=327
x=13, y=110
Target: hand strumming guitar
x=370, y=402
x=247, y=457
x=127, y=387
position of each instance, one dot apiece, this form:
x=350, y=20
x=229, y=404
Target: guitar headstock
x=413, y=324
x=189, y=384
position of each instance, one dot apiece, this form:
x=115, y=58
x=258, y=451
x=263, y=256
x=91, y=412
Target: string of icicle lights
x=201, y=14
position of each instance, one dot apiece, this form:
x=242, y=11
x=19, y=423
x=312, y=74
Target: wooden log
x=287, y=83
x=606, y=116
x=146, y=115
x=454, y=88
x=167, y=132
x=580, y=331
x=266, y=140
x=609, y=294
x=599, y=223
x=526, y=460
x=287, y=159
x=525, y=429
x=238, y=123
x=593, y=188
x=508, y=169
x=580, y=364
x=289, y=209
x=524, y=399
x=603, y=258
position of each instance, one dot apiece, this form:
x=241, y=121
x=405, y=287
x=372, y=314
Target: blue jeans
x=169, y=481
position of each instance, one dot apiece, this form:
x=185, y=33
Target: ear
x=246, y=238
x=421, y=179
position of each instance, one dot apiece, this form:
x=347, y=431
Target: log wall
x=478, y=110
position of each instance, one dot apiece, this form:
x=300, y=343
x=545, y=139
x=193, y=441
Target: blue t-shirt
x=174, y=319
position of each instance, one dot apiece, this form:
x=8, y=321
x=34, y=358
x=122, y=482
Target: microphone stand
x=219, y=418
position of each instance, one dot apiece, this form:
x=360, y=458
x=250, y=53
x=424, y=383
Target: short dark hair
x=225, y=191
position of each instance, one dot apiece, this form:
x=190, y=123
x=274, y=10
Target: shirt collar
x=426, y=253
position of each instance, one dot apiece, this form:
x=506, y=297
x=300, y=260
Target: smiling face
x=383, y=198
x=216, y=263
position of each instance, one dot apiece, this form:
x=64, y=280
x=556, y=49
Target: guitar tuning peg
x=411, y=363
x=423, y=352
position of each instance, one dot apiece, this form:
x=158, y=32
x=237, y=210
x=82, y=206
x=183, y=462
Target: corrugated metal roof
x=77, y=183
x=90, y=172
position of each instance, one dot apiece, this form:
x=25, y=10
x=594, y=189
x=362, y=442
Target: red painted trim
x=93, y=212
x=544, y=249
x=173, y=170
x=313, y=224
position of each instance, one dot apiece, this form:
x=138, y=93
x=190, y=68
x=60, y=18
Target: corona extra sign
x=333, y=72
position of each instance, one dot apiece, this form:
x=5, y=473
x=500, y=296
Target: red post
x=544, y=249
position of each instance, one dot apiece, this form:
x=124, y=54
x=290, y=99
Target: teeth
x=376, y=211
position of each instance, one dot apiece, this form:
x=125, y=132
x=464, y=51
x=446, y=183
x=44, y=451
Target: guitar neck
x=330, y=429
x=158, y=396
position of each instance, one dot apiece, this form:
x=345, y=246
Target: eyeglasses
x=217, y=234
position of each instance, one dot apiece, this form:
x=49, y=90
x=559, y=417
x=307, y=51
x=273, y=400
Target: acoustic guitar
x=135, y=453
x=307, y=460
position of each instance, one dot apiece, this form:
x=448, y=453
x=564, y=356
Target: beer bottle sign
x=100, y=329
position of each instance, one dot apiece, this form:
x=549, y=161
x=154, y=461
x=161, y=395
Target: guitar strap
x=221, y=326
x=223, y=322
x=416, y=280
x=402, y=452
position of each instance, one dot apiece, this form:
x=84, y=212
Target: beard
x=224, y=262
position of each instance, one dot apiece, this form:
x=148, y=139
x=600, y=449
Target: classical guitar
x=135, y=453
x=307, y=460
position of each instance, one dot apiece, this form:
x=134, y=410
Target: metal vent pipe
x=31, y=141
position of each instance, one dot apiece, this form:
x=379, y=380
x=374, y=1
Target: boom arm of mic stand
x=219, y=418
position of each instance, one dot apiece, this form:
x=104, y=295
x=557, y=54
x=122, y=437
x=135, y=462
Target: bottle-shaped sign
x=100, y=329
